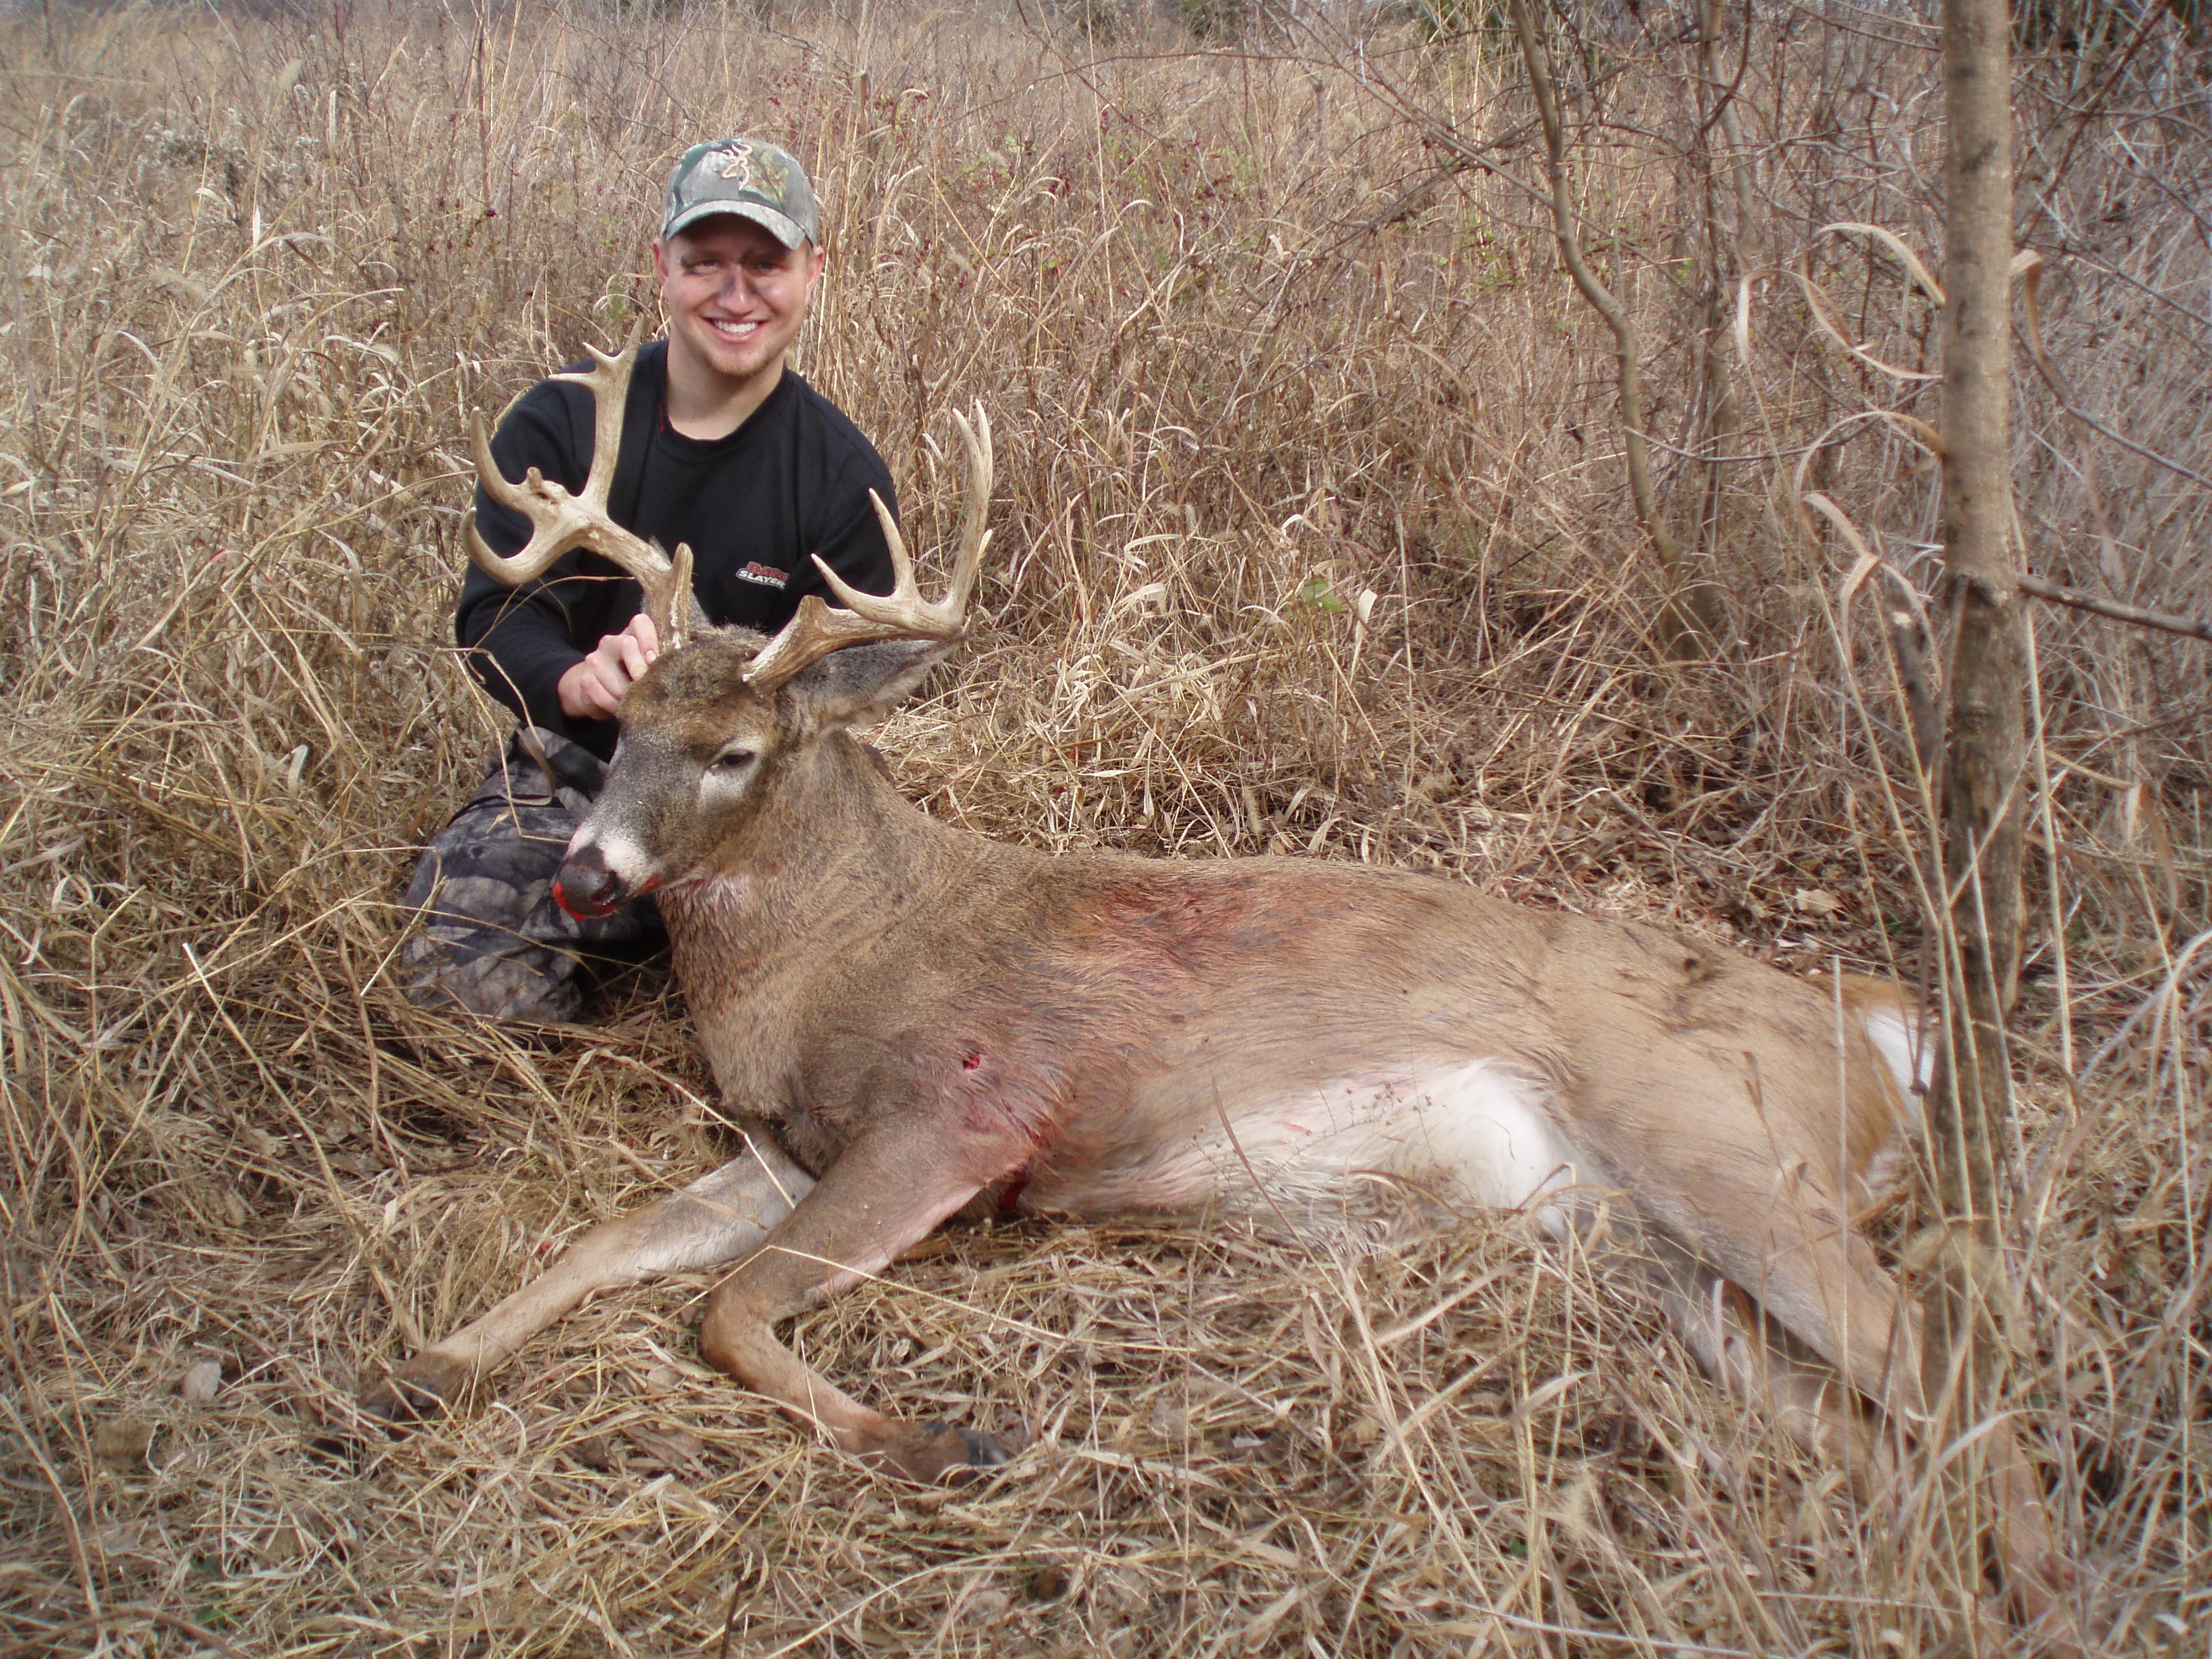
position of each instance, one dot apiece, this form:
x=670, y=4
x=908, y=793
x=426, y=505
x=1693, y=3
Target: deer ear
x=860, y=684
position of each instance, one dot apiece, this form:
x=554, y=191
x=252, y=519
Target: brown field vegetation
x=1313, y=536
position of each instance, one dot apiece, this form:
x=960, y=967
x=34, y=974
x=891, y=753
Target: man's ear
x=862, y=684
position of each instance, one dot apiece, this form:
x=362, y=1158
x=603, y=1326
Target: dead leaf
x=677, y=1495
x=669, y=1449
x=203, y=1381
x=1816, y=902
x=594, y=1452
x=122, y=1442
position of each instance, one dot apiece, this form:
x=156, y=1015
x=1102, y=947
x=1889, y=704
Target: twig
x=62, y=1507
x=2112, y=608
x=1585, y=1633
x=161, y=1616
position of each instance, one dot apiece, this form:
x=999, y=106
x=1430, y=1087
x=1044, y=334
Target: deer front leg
x=716, y=1219
x=887, y=1191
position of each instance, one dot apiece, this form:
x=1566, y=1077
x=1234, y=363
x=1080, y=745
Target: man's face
x=735, y=295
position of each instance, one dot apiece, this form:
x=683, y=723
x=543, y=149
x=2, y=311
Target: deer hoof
x=979, y=1450
x=933, y=1449
x=424, y=1387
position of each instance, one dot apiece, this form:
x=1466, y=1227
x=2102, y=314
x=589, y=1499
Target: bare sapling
x=1691, y=617
x=1988, y=1496
x=915, y=1021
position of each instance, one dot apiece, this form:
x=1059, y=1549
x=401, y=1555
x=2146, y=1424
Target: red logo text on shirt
x=766, y=575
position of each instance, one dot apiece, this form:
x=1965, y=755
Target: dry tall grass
x=1313, y=536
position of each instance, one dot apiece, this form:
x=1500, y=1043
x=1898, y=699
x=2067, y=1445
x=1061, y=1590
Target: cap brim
x=780, y=226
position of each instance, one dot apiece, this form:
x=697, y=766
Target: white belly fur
x=1473, y=1135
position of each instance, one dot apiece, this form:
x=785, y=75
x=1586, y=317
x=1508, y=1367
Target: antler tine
x=974, y=531
x=608, y=381
x=541, y=549
x=816, y=630
x=903, y=608
x=560, y=522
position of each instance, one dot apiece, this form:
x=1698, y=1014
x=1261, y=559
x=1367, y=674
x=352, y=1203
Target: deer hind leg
x=1758, y=1360
x=2037, y=1573
x=1837, y=1418
x=883, y=1194
x=716, y=1219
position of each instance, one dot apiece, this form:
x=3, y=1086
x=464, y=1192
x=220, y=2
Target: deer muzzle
x=587, y=886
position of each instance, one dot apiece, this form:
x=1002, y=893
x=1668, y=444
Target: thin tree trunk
x=1971, y=1103
x=1725, y=257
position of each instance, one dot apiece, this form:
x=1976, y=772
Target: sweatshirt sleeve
x=518, y=642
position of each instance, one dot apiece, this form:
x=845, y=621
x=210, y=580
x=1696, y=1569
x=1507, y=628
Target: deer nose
x=585, y=886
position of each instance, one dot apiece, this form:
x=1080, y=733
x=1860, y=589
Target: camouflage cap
x=747, y=177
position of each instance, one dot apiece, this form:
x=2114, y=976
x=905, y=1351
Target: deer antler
x=815, y=630
x=561, y=522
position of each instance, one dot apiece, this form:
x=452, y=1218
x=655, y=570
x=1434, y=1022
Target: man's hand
x=593, y=689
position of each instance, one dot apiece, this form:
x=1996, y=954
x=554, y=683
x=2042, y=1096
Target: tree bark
x=1971, y=1101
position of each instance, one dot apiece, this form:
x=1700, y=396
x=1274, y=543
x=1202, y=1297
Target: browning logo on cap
x=752, y=167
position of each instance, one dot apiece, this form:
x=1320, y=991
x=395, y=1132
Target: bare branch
x=2164, y=620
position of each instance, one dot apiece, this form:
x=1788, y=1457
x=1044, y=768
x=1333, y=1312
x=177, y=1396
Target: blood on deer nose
x=586, y=887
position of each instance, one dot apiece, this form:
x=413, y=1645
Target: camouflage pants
x=492, y=941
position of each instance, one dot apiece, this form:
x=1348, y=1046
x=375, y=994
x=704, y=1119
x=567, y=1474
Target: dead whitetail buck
x=920, y=1019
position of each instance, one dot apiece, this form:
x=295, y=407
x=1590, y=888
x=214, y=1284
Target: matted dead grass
x=1312, y=537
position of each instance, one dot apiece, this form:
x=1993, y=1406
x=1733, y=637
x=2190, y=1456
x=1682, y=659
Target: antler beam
x=561, y=522
x=816, y=629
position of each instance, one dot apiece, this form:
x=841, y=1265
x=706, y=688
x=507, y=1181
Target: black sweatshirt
x=793, y=481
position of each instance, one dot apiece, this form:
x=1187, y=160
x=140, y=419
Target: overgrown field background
x=1313, y=536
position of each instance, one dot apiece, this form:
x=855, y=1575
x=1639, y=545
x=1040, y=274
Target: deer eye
x=733, y=760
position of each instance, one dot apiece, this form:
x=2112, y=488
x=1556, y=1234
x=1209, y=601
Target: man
x=724, y=448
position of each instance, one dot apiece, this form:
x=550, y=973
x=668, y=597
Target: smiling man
x=724, y=447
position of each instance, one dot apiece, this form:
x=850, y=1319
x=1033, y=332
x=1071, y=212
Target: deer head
x=723, y=714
